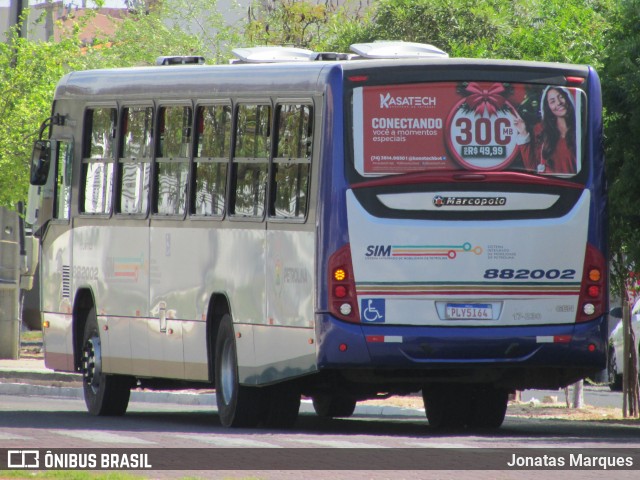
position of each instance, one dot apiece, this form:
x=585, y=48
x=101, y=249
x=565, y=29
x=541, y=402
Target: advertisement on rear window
x=478, y=126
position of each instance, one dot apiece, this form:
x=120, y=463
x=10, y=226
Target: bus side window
x=292, y=163
x=63, y=179
x=174, y=140
x=135, y=162
x=213, y=149
x=251, y=160
x=98, y=160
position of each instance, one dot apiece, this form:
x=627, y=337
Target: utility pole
x=16, y=9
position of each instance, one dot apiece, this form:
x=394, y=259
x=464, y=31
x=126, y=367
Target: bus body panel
x=473, y=273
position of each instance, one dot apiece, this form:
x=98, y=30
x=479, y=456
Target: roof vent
x=273, y=54
x=180, y=60
x=397, y=49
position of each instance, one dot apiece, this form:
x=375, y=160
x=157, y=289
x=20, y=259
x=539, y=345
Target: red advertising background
x=435, y=126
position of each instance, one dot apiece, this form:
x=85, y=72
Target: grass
x=31, y=336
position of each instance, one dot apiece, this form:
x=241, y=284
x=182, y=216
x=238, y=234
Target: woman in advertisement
x=552, y=146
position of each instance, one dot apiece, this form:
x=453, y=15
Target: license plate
x=469, y=311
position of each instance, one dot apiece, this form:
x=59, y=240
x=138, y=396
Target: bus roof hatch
x=397, y=49
x=273, y=54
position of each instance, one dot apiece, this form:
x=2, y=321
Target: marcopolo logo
x=440, y=201
x=388, y=101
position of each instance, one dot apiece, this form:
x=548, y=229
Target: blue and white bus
x=336, y=226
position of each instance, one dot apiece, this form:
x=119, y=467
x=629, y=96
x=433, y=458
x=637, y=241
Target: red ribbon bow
x=489, y=100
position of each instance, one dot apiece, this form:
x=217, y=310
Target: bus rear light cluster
x=593, y=289
x=342, y=287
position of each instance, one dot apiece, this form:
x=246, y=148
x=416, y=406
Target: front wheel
x=103, y=394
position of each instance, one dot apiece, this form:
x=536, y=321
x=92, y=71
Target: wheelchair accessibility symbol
x=372, y=310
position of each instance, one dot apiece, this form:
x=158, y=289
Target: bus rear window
x=477, y=126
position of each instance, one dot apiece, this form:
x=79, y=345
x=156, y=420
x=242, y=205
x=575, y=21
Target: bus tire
x=446, y=407
x=284, y=406
x=489, y=407
x=103, y=394
x=238, y=405
x=334, y=406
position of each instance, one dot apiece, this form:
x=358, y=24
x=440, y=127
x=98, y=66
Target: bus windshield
x=474, y=126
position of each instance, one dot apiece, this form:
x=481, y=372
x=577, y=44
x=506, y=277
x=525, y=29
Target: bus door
x=51, y=175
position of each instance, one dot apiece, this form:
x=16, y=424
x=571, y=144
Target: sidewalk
x=29, y=376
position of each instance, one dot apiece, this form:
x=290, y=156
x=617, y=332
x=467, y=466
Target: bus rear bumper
x=344, y=345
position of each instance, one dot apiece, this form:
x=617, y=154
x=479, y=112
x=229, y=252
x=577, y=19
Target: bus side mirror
x=40, y=161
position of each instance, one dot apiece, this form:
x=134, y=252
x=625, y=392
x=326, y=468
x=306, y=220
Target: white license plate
x=469, y=311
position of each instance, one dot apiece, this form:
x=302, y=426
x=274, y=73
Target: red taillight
x=575, y=80
x=343, y=303
x=592, y=301
x=340, y=291
x=593, y=291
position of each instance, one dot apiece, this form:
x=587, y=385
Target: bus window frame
x=297, y=101
x=222, y=102
x=156, y=160
x=117, y=207
x=57, y=141
x=232, y=176
x=86, y=142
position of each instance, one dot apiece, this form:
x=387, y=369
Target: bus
x=333, y=226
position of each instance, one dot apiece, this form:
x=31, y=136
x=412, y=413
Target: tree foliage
x=621, y=92
x=29, y=72
x=567, y=31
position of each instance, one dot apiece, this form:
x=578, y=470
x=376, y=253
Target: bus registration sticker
x=469, y=311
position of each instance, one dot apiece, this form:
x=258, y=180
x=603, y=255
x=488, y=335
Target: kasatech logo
x=387, y=101
x=440, y=201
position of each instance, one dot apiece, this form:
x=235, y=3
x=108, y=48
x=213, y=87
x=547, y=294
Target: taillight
x=343, y=302
x=593, y=289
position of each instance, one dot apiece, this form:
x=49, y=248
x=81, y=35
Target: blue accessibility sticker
x=372, y=310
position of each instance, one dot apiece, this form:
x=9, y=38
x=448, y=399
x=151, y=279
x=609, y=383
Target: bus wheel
x=446, y=407
x=489, y=406
x=284, y=406
x=332, y=406
x=103, y=394
x=238, y=406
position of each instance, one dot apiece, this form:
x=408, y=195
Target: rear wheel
x=103, y=394
x=488, y=407
x=284, y=406
x=332, y=406
x=446, y=406
x=472, y=406
x=238, y=405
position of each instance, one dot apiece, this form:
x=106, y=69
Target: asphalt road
x=35, y=422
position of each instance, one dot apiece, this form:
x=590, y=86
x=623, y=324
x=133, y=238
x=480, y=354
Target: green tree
x=168, y=27
x=544, y=30
x=621, y=91
x=29, y=72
